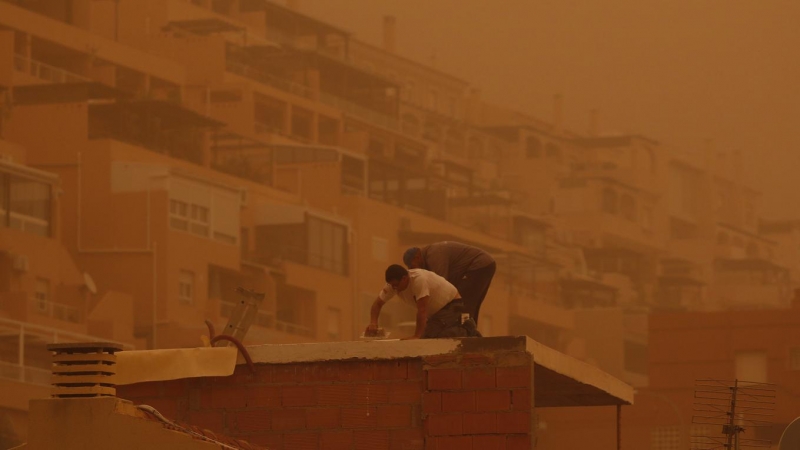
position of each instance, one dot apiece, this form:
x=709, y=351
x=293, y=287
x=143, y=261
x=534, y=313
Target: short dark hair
x=395, y=272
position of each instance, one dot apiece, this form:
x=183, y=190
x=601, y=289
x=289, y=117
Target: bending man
x=438, y=304
x=468, y=268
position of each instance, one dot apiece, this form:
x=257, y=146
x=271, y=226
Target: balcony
x=46, y=72
x=266, y=319
x=24, y=374
x=248, y=71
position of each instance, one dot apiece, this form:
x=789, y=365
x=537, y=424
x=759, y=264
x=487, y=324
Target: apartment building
x=192, y=146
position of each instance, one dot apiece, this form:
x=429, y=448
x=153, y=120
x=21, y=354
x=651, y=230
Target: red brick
x=211, y=420
x=370, y=394
x=269, y=440
x=371, y=440
x=355, y=371
x=477, y=359
x=454, y=443
x=410, y=392
x=430, y=443
x=323, y=418
x=431, y=402
x=289, y=419
x=444, y=424
x=391, y=416
x=336, y=440
x=173, y=388
x=514, y=422
x=264, y=396
x=298, y=396
x=286, y=373
x=521, y=399
x=489, y=442
x=458, y=401
x=493, y=400
x=320, y=372
x=390, y=370
x=415, y=370
x=439, y=360
x=251, y=420
x=335, y=394
x=301, y=441
x=229, y=397
x=406, y=439
x=265, y=373
x=137, y=390
x=508, y=377
x=444, y=379
x=480, y=423
x=364, y=417
x=483, y=378
x=518, y=442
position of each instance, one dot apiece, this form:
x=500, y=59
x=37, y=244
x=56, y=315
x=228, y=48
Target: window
x=327, y=245
x=380, y=250
x=552, y=151
x=186, y=287
x=665, y=438
x=42, y=295
x=609, y=201
x=334, y=324
x=204, y=210
x=25, y=204
x=751, y=366
x=627, y=206
x=533, y=148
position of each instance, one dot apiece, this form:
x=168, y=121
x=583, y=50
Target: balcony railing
x=361, y=112
x=57, y=311
x=266, y=319
x=268, y=79
x=24, y=374
x=46, y=72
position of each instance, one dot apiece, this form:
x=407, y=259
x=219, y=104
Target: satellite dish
x=790, y=439
x=89, y=282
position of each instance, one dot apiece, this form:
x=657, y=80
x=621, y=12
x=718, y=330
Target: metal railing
x=57, y=311
x=266, y=319
x=268, y=79
x=361, y=112
x=24, y=374
x=46, y=72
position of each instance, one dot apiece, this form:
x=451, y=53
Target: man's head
x=397, y=277
x=413, y=258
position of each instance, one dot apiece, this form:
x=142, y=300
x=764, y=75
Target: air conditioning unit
x=21, y=263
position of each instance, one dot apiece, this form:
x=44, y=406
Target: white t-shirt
x=423, y=283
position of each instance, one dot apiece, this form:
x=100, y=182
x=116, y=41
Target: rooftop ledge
x=559, y=380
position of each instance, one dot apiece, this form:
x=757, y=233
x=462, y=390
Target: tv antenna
x=728, y=413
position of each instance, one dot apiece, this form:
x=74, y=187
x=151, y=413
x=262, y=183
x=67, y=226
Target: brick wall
x=460, y=401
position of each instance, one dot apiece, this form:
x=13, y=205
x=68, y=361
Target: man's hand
x=372, y=330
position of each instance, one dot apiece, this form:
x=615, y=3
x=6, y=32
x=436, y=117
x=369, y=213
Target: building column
x=21, y=353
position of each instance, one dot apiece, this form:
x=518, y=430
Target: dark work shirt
x=452, y=260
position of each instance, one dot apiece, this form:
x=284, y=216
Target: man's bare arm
x=374, y=314
x=422, y=317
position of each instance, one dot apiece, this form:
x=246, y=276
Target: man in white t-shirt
x=438, y=303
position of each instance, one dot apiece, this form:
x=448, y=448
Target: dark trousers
x=446, y=322
x=473, y=287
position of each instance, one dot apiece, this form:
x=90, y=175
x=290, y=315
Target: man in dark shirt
x=468, y=268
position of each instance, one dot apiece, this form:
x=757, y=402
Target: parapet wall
x=464, y=394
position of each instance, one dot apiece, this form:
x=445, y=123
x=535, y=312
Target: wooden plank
x=59, y=391
x=84, y=358
x=81, y=379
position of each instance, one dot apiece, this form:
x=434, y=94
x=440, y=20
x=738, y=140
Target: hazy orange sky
x=675, y=70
